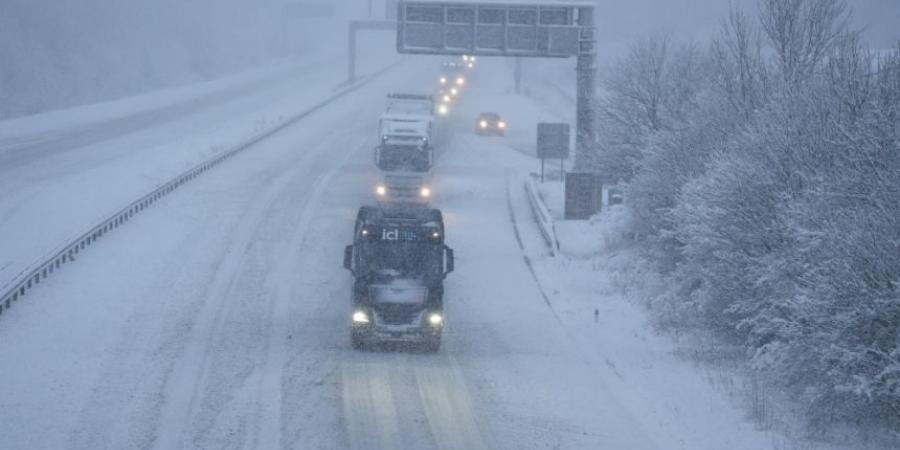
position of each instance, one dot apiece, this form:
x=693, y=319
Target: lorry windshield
x=402, y=259
x=403, y=157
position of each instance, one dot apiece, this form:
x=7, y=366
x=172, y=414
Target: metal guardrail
x=68, y=252
x=542, y=215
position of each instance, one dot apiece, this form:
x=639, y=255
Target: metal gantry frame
x=551, y=30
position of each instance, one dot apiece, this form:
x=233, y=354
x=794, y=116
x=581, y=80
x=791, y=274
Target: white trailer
x=408, y=120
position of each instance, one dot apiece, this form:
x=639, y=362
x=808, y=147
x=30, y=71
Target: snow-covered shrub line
x=763, y=176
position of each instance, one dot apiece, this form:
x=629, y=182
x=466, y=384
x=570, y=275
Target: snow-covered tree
x=764, y=175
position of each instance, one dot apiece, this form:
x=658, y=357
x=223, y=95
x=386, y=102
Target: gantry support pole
x=585, y=116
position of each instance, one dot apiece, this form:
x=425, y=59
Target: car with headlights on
x=490, y=123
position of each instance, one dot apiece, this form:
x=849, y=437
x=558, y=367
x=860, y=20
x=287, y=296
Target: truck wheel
x=432, y=344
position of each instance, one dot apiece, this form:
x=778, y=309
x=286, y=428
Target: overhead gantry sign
x=550, y=30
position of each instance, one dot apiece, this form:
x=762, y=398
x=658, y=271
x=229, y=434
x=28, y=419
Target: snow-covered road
x=219, y=318
x=62, y=172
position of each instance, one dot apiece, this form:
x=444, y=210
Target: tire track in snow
x=370, y=412
x=448, y=407
x=271, y=395
x=525, y=258
x=186, y=379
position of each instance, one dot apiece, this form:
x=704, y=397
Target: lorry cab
x=399, y=261
x=407, y=120
x=404, y=174
x=405, y=129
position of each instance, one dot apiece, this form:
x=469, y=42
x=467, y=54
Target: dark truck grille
x=398, y=313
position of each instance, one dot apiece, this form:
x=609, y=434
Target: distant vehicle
x=404, y=174
x=445, y=96
x=403, y=188
x=452, y=73
x=407, y=120
x=490, y=123
x=399, y=262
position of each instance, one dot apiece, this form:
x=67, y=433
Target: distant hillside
x=55, y=54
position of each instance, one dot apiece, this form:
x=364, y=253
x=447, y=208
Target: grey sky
x=623, y=20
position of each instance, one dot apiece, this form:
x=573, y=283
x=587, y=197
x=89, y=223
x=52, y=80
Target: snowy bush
x=764, y=179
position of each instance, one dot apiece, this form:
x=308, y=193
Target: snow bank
x=607, y=231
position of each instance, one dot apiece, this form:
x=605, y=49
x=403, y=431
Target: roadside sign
x=508, y=29
x=553, y=140
x=583, y=195
x=489, y=29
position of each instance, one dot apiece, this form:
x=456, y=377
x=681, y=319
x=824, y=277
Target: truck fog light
x=483, y=124
x=425, y=192
x=443, y=80
x=460, y=81
x=442, y=110
x=435, y=319
x=446, y=99
x=380, y=190
x=454, y=91
x=502, y=124
x=360, y=317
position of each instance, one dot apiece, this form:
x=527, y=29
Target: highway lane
x=162, y=334
x=220, y=318
x=64, y=171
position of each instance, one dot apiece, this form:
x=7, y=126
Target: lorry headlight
x=454, y=91
x=446, y=99
x=460, y=81
x=443, y=80
x=425, y=192
x=380, y=190
x=442, y=110
x=435, y=319
x=483, y=124
x=502, y=124
x=360, y=316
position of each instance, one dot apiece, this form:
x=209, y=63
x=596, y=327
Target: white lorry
x=404, y=174
x=408, y=120
x=404, y=154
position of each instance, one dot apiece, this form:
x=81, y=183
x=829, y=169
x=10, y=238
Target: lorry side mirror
x=450, y=261
x=348, y=257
